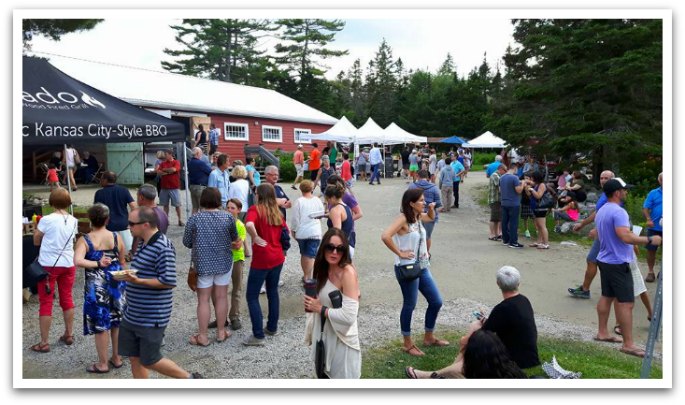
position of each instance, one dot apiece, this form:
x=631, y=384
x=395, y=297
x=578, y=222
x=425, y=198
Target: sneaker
x=196, y=376
x=253, y=341
x=557, y=229
x=236, y=324
x=270, y=333
x=527, y=233
x=281, y=283
x=578, y=292
x=262, y=290
x=516, y=245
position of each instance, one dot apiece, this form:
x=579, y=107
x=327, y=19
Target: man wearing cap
x=298, y=161
x=492, y=167
x=615, y=254
x=653, y=212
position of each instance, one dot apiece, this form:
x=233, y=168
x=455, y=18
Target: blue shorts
x=428, y=226
x=594, y=251
x=309, y=247
x=651, y=232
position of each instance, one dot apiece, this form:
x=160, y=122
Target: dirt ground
x=464, y=263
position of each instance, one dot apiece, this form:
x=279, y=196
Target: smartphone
x=478, y=315
x=336, y=298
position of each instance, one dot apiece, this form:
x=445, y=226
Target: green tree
x=584, y=87
x=381, y=86
x=448, y=68
x=54, y=29
x=223, y=50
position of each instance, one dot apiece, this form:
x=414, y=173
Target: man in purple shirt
x=615, y=254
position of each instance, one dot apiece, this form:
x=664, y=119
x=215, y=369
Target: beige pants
x=447, y=197
x=236, y=290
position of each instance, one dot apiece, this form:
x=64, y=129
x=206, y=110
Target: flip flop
x=493, y=238
x=413, y=351
x=41, y=348
x=610, y=339
x=227, y=335
x=410, y=373
x=196, y=342
x=114, y=365
x=617, y=330
x=437, y=342
x=543, y=246
x=93, y=369
x=636, y=351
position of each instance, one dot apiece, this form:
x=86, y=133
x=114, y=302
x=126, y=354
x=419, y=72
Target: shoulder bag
x=285, y=237
x=192, y=277
x=409, y=272
x=320, y=353
x=546, y=201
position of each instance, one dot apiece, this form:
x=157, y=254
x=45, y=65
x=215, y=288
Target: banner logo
x=91, y=101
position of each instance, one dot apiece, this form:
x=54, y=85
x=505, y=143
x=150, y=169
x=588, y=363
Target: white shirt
x=304, y=226
x=240, y=190
x=375, y=156
x=57, y=230
x=70, y=153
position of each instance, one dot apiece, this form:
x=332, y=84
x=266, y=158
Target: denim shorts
x=429, y=226
x=309, y=247
x=594, y=251
x=141, y=341
x=651, y=232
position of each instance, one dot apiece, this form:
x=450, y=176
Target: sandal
x=195, y=341
x=227, y=334
x=650, y=278
x=493, y=238
x=617, y=330
x=67, y=340
x=410, y=373
x=41, y=348
x=610, y=339
x=111, y=362
x=543, y=246
x=435, y=374
x=413, y=351
x=634, y=351
x=94, y=369
x=437, y=342
x=535, y=244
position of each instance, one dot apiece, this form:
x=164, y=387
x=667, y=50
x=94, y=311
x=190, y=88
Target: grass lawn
x=593, y=360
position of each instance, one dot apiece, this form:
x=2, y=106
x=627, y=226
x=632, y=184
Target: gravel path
x=464, y=265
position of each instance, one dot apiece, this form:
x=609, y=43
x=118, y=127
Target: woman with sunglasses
x=337, y=301
x=406, y=238
x=264, y=223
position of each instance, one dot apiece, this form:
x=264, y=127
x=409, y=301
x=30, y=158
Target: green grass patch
x=593, y=360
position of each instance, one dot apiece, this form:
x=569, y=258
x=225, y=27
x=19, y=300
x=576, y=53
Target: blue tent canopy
x=454, y=139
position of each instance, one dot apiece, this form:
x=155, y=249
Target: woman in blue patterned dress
x=100, y=252
x=211, y=234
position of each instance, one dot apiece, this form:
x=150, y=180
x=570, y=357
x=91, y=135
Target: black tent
x=58, y=109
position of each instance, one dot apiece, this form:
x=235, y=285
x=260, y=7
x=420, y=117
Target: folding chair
x=98, y=173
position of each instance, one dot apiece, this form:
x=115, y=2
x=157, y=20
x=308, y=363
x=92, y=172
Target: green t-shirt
x=333, y=155
x=239, y=254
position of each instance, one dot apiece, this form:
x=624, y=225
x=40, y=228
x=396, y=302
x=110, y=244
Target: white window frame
x=280, y=132
x=295, y=137
x=246, y=127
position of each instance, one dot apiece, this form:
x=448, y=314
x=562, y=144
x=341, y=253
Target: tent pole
x=185, y=166
x=71, y=206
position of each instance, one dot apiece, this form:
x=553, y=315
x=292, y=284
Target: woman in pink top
x=568, y=212
x=346, y=170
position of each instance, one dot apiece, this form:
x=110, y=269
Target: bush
x=287, y=170
x=480, y=159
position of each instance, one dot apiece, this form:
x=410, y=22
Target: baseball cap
x=299, y=146
x=615, y=184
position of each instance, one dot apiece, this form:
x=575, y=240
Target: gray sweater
x=446, y=176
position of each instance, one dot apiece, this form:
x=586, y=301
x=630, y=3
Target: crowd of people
x=238, y=218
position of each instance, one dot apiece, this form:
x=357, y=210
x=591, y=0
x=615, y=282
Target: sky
x=420, y=43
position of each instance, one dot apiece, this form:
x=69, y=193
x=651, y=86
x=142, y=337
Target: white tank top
x=410, y=241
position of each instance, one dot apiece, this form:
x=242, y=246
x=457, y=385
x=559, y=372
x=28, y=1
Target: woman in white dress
x=335, y=276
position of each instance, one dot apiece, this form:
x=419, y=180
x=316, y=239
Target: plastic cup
x=637, y=230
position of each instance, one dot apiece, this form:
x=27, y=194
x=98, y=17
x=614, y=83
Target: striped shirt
x=145, y=306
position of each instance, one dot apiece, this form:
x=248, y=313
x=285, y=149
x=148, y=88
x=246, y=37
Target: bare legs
x=307, y=264
x=164, y=366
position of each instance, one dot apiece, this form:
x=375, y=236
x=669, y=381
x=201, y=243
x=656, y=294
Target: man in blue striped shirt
x=149, y=299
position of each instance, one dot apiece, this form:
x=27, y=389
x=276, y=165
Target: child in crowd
x=234, y=207
x=51, y=177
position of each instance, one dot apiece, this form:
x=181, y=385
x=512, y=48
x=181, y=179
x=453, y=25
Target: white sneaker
x=281, y=283
x=263, y=289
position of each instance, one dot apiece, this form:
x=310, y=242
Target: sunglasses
x=330, y=248
x=135, y=223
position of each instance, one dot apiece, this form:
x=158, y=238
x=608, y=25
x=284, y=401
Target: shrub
x=287, y=170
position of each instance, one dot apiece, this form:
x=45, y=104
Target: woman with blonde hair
x=100, y=252
x=306, y=227
x=240, y=188
x=265, y=225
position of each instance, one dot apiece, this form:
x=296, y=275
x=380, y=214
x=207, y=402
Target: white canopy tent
x=486, y=140
x=343, y=131
x=394, y=133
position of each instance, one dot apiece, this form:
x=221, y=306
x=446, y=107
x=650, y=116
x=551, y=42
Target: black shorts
x=540, y=213
x=313, y=174
x=496, y=212
x=617, y=281
x=140, y=341
x=652, y=233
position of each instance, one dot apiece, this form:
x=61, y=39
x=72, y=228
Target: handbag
x=409, y=272
x=192, y=277
x=546, y=201
x=320, y=353
x=285, y=239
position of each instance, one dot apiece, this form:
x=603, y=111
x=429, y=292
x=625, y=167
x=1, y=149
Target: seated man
x=512, y=320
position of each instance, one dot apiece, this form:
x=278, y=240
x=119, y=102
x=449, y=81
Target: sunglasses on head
x=330, y=248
